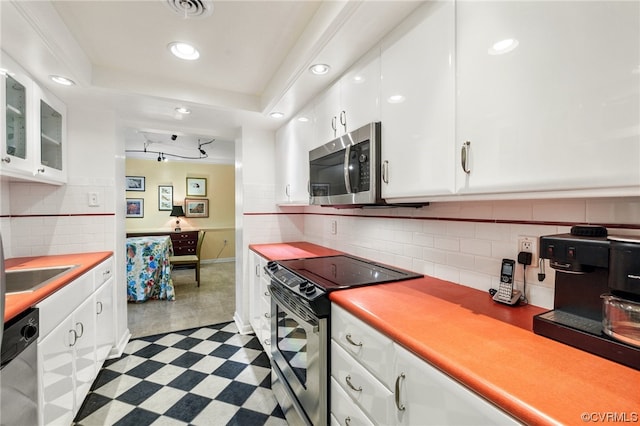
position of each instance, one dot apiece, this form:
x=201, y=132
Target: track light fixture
x=174, y=137
x=162, y=156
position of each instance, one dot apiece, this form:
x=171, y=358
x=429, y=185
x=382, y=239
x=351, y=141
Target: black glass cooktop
x=342, y=271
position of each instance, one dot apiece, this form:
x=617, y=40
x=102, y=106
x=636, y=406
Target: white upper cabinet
x=33, y=140
x=293, y=142
x=417, y=96
x=351, y=102
x=559, y=110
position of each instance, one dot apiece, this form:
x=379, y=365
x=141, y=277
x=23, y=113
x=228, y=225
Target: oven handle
x=312, y=321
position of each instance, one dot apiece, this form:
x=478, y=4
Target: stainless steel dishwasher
x=19, y=374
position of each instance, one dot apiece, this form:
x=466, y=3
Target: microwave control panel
x=360, y=167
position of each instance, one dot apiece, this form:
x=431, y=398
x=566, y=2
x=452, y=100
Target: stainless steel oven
x=300, y=327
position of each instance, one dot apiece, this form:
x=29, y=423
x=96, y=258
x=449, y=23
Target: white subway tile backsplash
x=477, y=247
x=444, y=243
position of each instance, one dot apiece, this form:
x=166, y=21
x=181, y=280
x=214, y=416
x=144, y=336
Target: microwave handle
x=347, y=180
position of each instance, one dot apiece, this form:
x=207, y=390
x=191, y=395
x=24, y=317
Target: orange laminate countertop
x=17, y=303
x=294, y=250
x=491, y=349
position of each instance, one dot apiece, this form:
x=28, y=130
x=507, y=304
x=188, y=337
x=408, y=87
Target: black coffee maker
x=597, y=293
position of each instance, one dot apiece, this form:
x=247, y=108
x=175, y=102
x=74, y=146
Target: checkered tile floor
x=202, y=376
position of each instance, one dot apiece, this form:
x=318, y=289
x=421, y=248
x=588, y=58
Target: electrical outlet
x=529, y=245
x=334, y=227
x=93, y=199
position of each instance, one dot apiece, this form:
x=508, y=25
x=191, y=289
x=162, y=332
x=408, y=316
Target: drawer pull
x=348, y=380
x=400, y=406
x=98, y=308
x=267, y=342
x=266, y=293
x=73, y=337
x=81, y=332
x=350, y=340
x=347, y=421
x=267, y=315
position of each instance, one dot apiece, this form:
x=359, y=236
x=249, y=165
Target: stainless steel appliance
x=300, y=324
x=597, y=292
x=346, y=171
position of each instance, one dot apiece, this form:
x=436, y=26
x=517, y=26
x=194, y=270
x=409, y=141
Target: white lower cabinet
x=260, y=301
x=76, y=335
x=376, y=381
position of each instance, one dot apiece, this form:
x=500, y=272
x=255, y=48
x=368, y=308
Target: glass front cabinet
x=33, y=144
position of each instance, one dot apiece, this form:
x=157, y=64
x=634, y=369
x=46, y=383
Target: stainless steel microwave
x=346, y=171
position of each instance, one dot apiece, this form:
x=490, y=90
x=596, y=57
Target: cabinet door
x=344, y=410
x=105, y=321
x=293, y=142
x=56, y=374
x=327, y=116
x=52, y=130
x=84, y=324
x=16, y=94
x=258, y=309
x=430, y=397
x=417, y=104
x=559, y=109
x=360, y=94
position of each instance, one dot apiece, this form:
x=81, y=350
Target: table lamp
x=178, y=212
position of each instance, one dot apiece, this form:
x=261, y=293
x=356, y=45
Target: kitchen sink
x=27, y=280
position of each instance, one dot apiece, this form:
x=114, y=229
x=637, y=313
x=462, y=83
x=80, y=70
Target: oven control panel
x=300, y=286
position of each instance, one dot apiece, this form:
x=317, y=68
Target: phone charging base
x=515, y=297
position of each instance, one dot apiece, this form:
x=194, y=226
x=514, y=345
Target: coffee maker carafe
x=597, y=293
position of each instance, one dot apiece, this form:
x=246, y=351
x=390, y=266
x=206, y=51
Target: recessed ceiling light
x=183, y=50
x=303, y=119
x=276, y=114
x=396, y=99
x=319, y=69
x=62, y=80
x=503, y=46
x=183, y=110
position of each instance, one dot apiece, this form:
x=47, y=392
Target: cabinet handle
x=350, y=340
x=287, y=190
x=347, y=421
x=81, y=329
x=343, y=120
x=6, y=159
x=400, y=406
x=40, y=170
x=464, y=156
x=348, y=380
x=267, y=315
x=266, y=293
x=385, y=171
x=267, y=342
x=333, y=125
x=72, y=333
x=257, y=270
x=99, y=307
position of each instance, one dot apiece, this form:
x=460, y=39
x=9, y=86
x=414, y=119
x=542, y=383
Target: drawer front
x=361, y=386
x=344, y=410
x=368, y=346
x=190, y=236
x=103, y=272
x=55, y=308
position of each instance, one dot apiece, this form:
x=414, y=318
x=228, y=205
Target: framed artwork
x=134, y=183
x=135, y=207
x=196, y=187
x=196, y=207
x=165, y=197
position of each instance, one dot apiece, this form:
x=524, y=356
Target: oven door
x=299, y=349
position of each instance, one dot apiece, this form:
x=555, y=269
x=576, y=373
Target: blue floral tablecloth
x=148, y=268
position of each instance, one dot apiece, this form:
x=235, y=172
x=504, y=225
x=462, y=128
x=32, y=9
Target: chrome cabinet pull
x=40, y=170
x=399, y=406
x=287, y=190
x=81, y=329
x=257, y=270
x=6, y=159
x=385, y=171
x=72, y=333
x=267, y=315
x=347, y=421
x=464, y=156
x=267, y=342
x=348, y=380
x=343, y=120
x=99, y=308
x=350, y=340
x=266, y=293
x=333, y=125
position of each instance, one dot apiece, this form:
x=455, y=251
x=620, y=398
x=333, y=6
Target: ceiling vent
x=191, y=8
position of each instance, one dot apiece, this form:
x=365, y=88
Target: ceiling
x=254, y=59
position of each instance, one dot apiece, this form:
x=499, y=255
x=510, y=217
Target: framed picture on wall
x=196, y=207
x=134, y=183
x=165, y=197
x=135, y=207
x=196, y=187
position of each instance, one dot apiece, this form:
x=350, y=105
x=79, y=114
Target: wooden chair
x=190, y=259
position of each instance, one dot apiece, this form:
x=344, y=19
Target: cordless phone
x=506, y=293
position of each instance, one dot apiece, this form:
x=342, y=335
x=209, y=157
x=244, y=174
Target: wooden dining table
x=148, y=268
